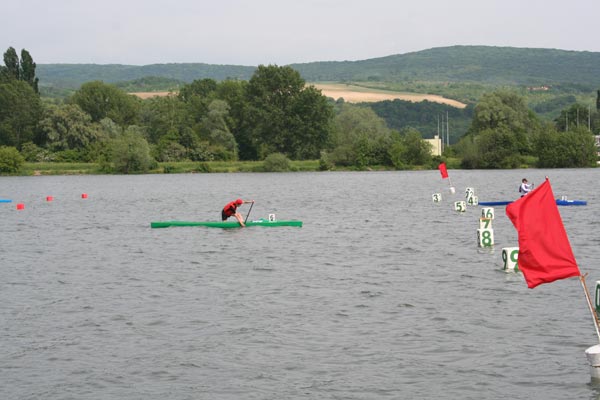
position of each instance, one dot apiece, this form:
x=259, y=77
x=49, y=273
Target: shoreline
x=183, y=167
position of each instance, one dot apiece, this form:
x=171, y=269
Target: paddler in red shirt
x=231, y=210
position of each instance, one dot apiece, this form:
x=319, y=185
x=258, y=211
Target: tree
x=202, y=88
x=496, y=148
x=313, y=124
x=572, y=149
x=101, y=100
x=164, y=115
x=360, y=138
x=276, y=162
x=27, y=70
x=275, y=116
x=68, y=127
x=197, y=96
x=11, y=62
x=418, y=151
x=507, y=112
x=216, y=131
x=10, y=159
x=233, y=93
x=16, y=69
x=502, y=131
x=20, y=111
x=131, y=152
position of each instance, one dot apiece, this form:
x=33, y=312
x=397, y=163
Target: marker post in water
x=444, y=172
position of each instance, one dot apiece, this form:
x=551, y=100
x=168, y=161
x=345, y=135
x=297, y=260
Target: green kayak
x=225, y=224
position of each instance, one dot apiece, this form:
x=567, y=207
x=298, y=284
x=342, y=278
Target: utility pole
x=447, y=130
x=442, y=136
x=438, y=132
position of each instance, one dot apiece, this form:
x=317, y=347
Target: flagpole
x=589, y=301
x=444, y=172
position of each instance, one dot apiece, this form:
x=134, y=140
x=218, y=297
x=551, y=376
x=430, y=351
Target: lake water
x=382, y=294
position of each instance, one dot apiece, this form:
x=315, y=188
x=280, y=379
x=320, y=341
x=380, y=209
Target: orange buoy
x=20, y=206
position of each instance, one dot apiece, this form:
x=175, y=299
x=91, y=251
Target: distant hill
x=473, y=64
x=73, y=75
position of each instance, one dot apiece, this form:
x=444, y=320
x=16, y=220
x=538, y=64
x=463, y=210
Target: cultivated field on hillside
x=355, y=94
x=358, y=94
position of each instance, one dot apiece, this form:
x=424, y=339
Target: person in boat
x=231, y=210
x=525, y=187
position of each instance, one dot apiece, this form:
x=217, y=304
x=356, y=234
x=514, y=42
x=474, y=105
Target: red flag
x=545, y=254
x=443, y=170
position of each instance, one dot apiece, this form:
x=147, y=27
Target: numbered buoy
x=20, y=206
x=84, y=195
x=473, y=200
x=485, y=237
x=272, y=218
x=460, y=206
x=510, y=259
x=485, y=223
x=437, y=197
x=469, y=192
x=487, y=212
x=49, y=198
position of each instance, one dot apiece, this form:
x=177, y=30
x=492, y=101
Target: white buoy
x=452, y=190
x=487, y=212
x=593, y=353
x=485, y=237
x=593, y=357
x=510, y=259
x=460, y=206
x=437, y=197
x=597, y=297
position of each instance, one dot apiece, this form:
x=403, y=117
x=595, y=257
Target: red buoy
x=49, y=198
x=20, y=206
x=84, y=195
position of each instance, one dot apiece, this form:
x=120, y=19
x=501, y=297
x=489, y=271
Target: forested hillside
x=469, y=64
x=482, y=64
x=73, y=75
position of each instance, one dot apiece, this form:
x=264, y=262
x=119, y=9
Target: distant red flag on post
x=443, y=170
x=545, y=254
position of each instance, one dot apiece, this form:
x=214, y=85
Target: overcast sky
x=282, y=32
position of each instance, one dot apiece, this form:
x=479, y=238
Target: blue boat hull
x=494, y=203
x=558, y=203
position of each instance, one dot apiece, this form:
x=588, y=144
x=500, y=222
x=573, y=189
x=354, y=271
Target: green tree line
x=273, y=114
x=505, y=133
